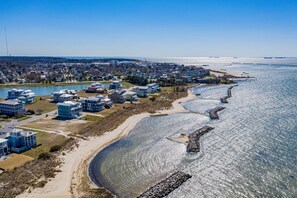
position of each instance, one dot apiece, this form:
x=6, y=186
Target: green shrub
x=44, y=156
x=55, y=148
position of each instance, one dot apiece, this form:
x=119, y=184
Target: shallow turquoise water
x=250, y=153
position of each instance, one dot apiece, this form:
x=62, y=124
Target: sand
x=65, y=182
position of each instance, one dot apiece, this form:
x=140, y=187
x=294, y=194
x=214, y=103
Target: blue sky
x=149, y=28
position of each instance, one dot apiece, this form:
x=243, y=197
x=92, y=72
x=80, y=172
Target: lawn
x=4, y=120
x=43, y=104
x=24, y=118
x=92, y=118
x=47, y=140
x=14, y=160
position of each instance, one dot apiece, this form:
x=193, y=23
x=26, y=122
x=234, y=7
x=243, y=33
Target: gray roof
x=10, y=102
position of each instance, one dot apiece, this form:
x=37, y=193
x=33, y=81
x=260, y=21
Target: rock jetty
x=213, y=114
x=194, y=144
x=229, y=94
x=166, y=186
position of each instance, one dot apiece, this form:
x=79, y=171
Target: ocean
x=250, y=153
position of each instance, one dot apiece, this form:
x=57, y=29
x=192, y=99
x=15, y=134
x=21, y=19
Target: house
x=27, y=97
x=130, y=95
x=20, y=140
x=107, y=101
x=93, y=104
x=95, y=88
x=141, y=91
x=115, y=85
x=153, y=88
x=11, y=107
x=14, y=93
x=69, y=109
x=64, y=95
x=3, y=147
x=117, y=97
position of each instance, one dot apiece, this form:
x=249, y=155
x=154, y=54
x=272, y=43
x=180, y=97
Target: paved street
x=8, y=126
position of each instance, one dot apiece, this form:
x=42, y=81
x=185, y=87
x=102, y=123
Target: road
x=8, y=126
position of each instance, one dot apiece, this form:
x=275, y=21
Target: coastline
x=66, y=182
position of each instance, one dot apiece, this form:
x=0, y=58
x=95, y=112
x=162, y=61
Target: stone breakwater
x=213, y=114
x=166, y=186
x=194, y=144
x=229, y=94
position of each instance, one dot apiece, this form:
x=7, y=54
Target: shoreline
x=66, y=182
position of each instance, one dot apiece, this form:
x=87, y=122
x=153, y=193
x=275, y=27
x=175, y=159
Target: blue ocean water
x=250, y=153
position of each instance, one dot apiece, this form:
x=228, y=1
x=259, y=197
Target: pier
x=166, y=186
x=229, y=94
x=213, y=114
x=193, y=143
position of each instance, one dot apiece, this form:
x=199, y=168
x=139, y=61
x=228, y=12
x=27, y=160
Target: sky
x=149, y=28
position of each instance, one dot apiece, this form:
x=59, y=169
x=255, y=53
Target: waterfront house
x=20, y=140
x=14, y=93
x=3, y=147
x=107, y=101
x=153, y=88
x=27, y=97
x=93, y=104
x=115, y=85
x=95, y=88
x=69, y=109
x=141, y=91
x=64, y=95
x=12, y=107
x=130, y=95
x=117, y=97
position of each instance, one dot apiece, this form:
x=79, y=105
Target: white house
x=64, y=95
x=130, y=95
x=141, y=91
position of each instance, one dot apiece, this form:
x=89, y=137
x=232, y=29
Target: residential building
x=141, y=91
x=93, y=104
x=95, y=88
x=117, y=97
x=64, y=95
x=11, y=107
x=69, y=109
x=14, y=93
x=3, y=147
x=153, y=88
x=20, y=140
x=27, y=97
x=130, y=95
x=115, y=85
x=107, y=101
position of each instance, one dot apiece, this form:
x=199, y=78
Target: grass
x=43, y=104
x=4, y=120
x=47, y=140
x=24, y=118
x=92, y=118
x=13, y=161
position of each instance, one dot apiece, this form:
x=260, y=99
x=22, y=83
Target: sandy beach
x=65, y=183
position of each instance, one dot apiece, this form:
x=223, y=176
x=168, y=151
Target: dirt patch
x=13, y=161
x=51, y=123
